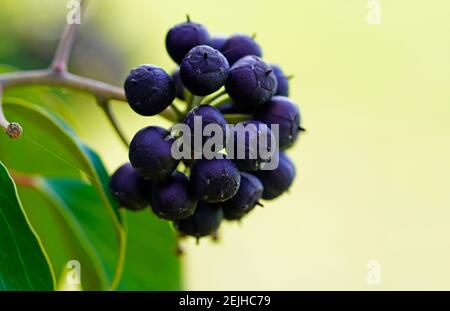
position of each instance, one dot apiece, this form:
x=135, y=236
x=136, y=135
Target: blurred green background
x=373, y=169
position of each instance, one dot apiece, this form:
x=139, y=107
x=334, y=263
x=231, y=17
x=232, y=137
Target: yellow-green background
x=374, y=167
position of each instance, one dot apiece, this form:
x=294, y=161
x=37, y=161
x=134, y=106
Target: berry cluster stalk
x=58, y=75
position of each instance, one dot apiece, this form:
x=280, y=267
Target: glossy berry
x=149, y=90
x=173, y=198
x=253, y=141
x=251, y=82
x=284, y=112
x=209, y=115
x=238, y=46
x=183, y=37
x=282, y=81
x=150, y=153
x=204, y=70
x=247, y=197
x=205, y=221
x=217, y=42
x=129, y=189
x=179, y=87
x=279, y=180
x=215, y=180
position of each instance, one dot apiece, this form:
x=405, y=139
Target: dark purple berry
x=284, y=112
x=205, y=221
x=251, y=82
x=215, y=180
x=247, y=197
x=179, y=87
x=150, y=153
x=229, y=107
x=204, y=70
x=173, y=198
x=238, y=46
x=217, y=42
x=129, y=189
x=253, y=143
x=208, y=115
x=183, y=37
x=282, y=79
x=279, y=180
x=149, y=90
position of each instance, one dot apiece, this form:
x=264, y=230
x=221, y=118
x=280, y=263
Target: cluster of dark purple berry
x=219, y=188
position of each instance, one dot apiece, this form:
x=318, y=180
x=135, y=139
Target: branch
x=58, y=75
x=106, y=106
x=64, y=49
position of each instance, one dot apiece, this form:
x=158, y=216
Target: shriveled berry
x=279, y=180
x=150, y=153
x=282, y=79
x=207, y=115
x=183, y=37
x=205, y=221
x=215, y=180
x=251, y=82
x=129, y=189
x=247, y=197
x=284, y=112
x=204, y=70
x=238, y=46
x=173, y=198
x=217, y=42
x=254, y=145
x=149, y=90
x=179, y=87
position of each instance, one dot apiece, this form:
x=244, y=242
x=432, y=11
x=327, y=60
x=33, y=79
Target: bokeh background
x=373, y=169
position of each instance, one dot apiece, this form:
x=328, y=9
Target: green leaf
x=61, y=235
x=49, y=98
x=150, y=263
x=55, y=149
x=23, y=264
x=82, y=203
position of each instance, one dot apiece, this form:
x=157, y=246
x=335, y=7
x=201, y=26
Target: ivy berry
x=129, y=189
x=150, y=153
x=183, y=37
x=204, y=70
x=173, y=198
x=149, y=90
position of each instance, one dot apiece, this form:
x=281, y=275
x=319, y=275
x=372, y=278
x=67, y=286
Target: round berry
x=217, y=42
x=252, y=142
x=251, y=82
x=215, y=180
x=207, y=115
x=284, y=112
x=150, y=153
x=149, y=90
x=229, y=107
x=279, y=180
x=238, y=46
x=282, y=80
x=129, y=189
x=247, y=197
x=179, y=87
x=183, y=37
x=204, y=70
x=173, y=198
x=205, y=221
